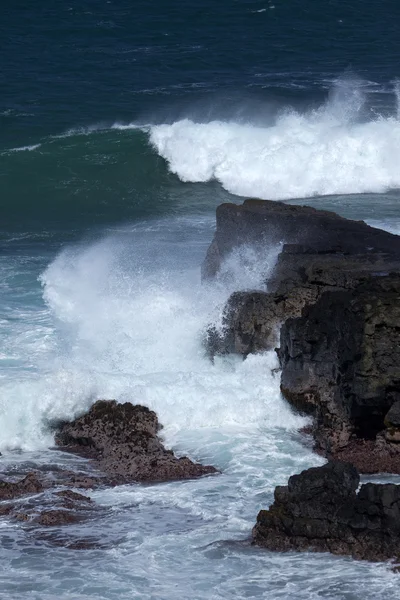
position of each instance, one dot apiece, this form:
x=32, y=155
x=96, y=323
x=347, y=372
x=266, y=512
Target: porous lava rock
x=332, y=303
x=30, y=484
x=320, y=510
x=341, y=362
x=122, y=441
x=321, y=251
x=57, y=517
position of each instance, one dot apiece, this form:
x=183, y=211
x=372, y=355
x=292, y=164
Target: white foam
x=25, y=148
x=128, y=320
x=325, y=151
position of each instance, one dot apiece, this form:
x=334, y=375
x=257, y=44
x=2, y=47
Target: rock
x=264, y=223
x=29, y=485
x=73, y=500
x=78, y=479
x=5, y=509
x=341, y=361
x=392, y=418
x=122, y=440
x=250, y=324
x=54, y=518
x=320, y=510
x=73, y=496
x=321, y=252
x=334, y=297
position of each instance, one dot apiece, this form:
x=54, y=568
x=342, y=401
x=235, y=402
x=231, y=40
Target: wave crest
x=325, y=151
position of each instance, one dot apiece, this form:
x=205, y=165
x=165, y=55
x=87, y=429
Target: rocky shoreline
x=332, y=306
x=122, y=445
x=331, y=310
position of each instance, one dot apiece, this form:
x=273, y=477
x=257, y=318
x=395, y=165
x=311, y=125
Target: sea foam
x=334, y=149
x=126, y=320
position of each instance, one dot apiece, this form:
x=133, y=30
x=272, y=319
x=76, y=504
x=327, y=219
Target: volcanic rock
x=264, y=223
x=320, y=510
x=333, y=306
x=28, y=485
x=122, y=441
x=54, y=518
x=321, y=252
x=341, y=361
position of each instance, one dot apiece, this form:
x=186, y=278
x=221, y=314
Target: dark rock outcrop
x=123, y=442
x=262, y=223
x=321, y=252
x=56, y=517
x=333, y=305
x=341, y=361
x=28, y=485
x=320, y=510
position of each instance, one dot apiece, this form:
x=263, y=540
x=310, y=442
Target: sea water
x=122, y=129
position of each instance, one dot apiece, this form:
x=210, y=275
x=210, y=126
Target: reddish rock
x=28, y=485
x=122, y=441
x=54, y=518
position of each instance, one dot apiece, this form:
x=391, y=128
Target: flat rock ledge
x=320, y=510
x=122, y=442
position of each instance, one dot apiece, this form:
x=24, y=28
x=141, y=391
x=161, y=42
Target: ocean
x=122, y=127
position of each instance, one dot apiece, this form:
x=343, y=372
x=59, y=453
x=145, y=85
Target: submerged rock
x=320, y=510
x=123, y=442
x=57, y=517
x=28, y=485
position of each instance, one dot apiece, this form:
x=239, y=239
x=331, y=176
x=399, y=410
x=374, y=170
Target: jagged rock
x=28, y=485
x=320, y=510
x=334, y=296
x=341, y=361
x=73, y=496
x=321, y=252
x=122, y=440
x=262, y=223
x=54, y=518
x=250, y=324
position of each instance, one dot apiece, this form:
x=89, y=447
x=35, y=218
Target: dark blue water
x=122, y=126
x=95, y=63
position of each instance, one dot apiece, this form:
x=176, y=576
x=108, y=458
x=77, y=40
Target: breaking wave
x=125, y=319
x=339, y=148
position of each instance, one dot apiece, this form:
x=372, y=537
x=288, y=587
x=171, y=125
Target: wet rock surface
x=321, y=251
x=122, y=441
x=320, y=510
x=262, y=223
x=30, y=484
x=121, y=444
x=341, y=361
x=59, y=508
x=333, y=307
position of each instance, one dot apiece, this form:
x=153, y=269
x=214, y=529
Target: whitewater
x=124, y=317
x=330, y=150
x=122, y=313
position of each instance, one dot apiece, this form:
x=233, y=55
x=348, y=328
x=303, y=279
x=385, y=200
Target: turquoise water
x=122, y=127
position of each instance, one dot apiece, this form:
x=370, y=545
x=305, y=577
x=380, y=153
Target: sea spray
x=334, y=149
x=128, y=315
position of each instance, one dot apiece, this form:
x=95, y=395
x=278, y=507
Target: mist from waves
x=124, y=318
